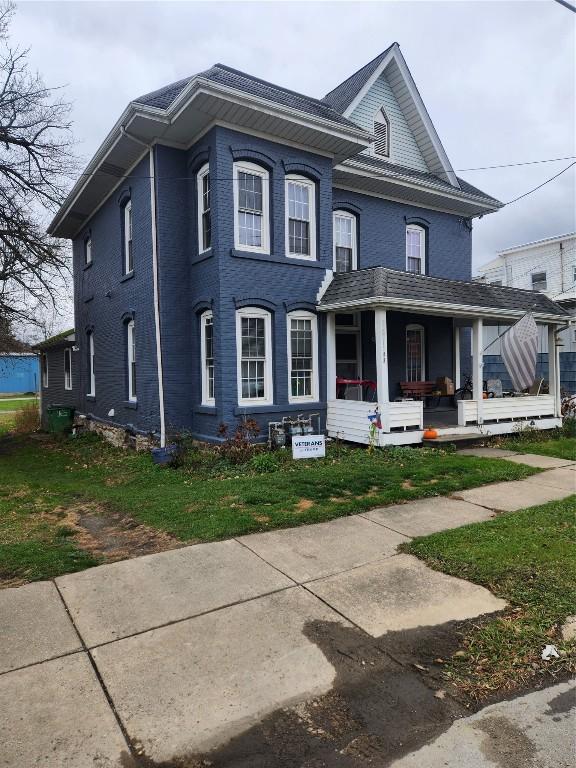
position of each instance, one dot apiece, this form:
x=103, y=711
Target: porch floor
x=440, y=417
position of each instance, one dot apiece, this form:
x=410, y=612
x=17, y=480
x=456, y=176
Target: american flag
x=519, y=350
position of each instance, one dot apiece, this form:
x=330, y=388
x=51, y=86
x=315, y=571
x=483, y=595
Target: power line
x=567, y=5
x=530, y=191
x=515, y=165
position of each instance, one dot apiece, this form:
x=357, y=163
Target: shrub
x=265, y=462
x=27, y=419
x=239, y=447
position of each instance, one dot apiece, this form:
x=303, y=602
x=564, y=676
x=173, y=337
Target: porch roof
x=406, y=291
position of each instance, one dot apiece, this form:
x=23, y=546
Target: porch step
x=462, y=441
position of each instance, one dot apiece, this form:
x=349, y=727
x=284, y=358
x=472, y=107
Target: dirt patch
x=261, y=518
x=407, y=484
x=504, y=744
x=303, y=505
x=110, y=535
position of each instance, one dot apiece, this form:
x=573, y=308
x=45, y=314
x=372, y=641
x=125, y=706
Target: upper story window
x=128, y=250
x=382, y=134
x=300, y=217
x=88, y=250
x=204, y=210
x=91, y=365
x=44, y=368
x=207, y=341
x=67, y=368
x=415, y=249
x=344, y=236
x=539, y=282
x=254, y=355
x=252, y=216
x=131, y=360
x=302, y=357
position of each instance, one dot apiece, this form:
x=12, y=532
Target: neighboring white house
x=547, y=265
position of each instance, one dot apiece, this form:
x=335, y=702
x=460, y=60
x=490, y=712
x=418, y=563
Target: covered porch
x=388, y=329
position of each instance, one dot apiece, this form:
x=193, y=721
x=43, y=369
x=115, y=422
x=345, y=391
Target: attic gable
x=386, y=82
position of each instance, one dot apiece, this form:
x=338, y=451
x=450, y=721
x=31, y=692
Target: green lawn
x=561, y=447
x=527, y=558
x=205, y=499
x=15, y=405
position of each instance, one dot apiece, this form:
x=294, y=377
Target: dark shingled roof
x=344, y=94
x=428, y=178
x=233, y=78
x=381, y=283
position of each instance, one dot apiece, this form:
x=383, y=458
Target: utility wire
x=515, y=165
x=530, y=191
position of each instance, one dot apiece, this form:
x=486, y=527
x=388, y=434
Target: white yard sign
x=309, y=447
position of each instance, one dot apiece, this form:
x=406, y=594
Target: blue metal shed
x=19, y=372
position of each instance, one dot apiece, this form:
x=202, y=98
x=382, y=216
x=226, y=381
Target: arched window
x=204, y=209
x=302, y=356
x=344, y=238
x=382, y=134
x=207, y=343
x=91, y=365
x=415, y=368
x=416, y=249
x=252, y=218
x=254, y=355
x=127, y=237
x=300, y=217
x=131, y=360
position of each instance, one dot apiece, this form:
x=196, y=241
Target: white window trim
x=256, y=170
x=44, y=371
x=345, y=215
x=130, y=349
x=204, y=171
x=312, y=224
x=88, y=250
x=91, y=372
x=268, y=398
x=420, y=328
x=68, y=354
x=302, y=315
x=422, y=232
x=128, y=238
x=208, y=315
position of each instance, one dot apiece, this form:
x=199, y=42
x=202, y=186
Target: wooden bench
x=418, y=389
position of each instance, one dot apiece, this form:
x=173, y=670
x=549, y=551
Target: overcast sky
x=498, y=78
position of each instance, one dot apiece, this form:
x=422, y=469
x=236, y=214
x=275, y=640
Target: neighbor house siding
x=403, y=147
x=19, y=373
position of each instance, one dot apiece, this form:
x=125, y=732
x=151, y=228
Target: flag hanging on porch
x=519, y=350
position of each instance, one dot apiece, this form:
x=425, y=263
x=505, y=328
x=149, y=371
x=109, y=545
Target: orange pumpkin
x=430, y=433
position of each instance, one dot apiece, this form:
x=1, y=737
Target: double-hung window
x=67, y=368
x=128, y=250
x=539, y=282
x=251, y=221
x=88, y=251
x=44, y=367
x=91, y=365
x=344, y=236
x=204, y=210
x=131, y=360
x=302, y=357
x=300, y=217
x=415, y=249
x=207, y=341
x=254, y=350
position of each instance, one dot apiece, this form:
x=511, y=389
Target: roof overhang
x=354, y=175
x=201, y=104
x=439, y=308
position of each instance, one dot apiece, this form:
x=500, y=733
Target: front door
x=415, y=367
x=348, y=352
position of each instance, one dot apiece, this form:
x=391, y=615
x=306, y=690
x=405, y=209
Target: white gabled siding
x=403, y=147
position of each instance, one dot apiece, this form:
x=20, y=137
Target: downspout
x=160, y=369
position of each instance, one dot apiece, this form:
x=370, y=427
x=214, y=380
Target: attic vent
x=113, y=170
x=382, y=133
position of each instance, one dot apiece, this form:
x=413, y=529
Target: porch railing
x=506, y=409
x=348, y=419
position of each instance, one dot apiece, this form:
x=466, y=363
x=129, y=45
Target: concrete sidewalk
x=173, y=654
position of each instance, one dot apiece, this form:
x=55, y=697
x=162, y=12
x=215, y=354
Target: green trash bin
x=60, y=418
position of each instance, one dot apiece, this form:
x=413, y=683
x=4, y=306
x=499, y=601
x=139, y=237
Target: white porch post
x=554, y=370
x=381, y=337
x=330, y=356
x=456, y=356
x=477, y=365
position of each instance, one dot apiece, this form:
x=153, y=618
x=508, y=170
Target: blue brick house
x=239, y=247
